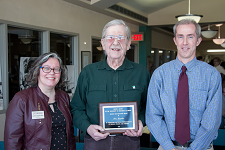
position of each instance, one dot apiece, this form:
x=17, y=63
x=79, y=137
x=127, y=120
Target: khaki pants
x=180, y=148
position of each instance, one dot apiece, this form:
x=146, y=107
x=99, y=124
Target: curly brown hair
x=32, y=76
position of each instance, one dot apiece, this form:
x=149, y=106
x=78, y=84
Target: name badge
x=38, y=115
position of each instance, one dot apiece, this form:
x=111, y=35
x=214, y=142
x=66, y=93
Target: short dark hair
x=186, y=22
x=34, y=71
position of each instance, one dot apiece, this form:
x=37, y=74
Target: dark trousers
x=112, y=143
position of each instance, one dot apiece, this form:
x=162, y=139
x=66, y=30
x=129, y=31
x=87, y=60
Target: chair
x=77, y=134
x=1, y=145
x=220, y=141
x=79, y=146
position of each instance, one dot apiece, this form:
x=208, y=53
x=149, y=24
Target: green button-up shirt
x=98, y=82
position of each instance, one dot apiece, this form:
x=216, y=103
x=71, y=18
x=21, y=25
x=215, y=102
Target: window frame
x=45, y=47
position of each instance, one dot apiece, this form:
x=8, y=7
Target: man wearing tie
x=184, y=96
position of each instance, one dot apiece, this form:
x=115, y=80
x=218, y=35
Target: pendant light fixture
x=189, y=16
x=219, y=40
x=209, y=33
x=100, y=47
x=223, y=44
x=27, y=37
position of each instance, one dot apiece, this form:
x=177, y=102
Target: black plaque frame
x=132, y=105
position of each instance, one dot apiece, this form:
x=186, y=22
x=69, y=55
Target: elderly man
x=184, y=96
x=115, y=79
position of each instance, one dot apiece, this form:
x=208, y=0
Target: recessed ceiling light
x=159, y=51
x=216, y=50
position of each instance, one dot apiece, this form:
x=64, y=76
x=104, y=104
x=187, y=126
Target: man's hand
x=133, y=133
x=93, y=131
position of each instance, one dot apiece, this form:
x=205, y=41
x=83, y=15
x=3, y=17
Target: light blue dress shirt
x=205, y=103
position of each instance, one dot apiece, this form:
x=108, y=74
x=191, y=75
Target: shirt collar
x=126, y=65
x=45, y=97
x=188, y=65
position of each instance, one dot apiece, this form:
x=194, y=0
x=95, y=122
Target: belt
x=188, y=144
x=178, y=144
x=115, y=134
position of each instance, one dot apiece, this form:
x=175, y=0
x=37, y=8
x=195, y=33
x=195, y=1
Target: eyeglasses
x=111, y=38
x=47, y=69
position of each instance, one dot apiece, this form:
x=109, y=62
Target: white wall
x=167, y=15
x=162, y=41
x=2, y=126
x=57, y=15
x=54, y=15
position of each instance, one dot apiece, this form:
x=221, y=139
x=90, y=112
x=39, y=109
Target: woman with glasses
x=39, y=117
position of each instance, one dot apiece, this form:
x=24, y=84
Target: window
x=21, y=43
x=97, y=51
x=19, y=48
x=61, y=44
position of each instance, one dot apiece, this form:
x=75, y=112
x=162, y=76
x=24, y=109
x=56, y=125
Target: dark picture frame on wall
x=85, y=58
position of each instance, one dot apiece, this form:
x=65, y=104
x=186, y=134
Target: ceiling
x=160, y=14
x=150, y=6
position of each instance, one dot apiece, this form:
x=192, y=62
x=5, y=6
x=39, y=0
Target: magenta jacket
x=23, y=132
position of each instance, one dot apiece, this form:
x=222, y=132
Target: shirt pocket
x=198, y=100
x=96, y=94
x=132, y=92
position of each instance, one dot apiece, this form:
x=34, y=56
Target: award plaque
x=117, y=117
